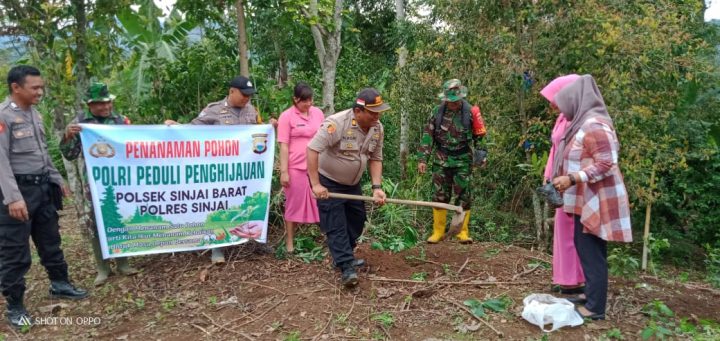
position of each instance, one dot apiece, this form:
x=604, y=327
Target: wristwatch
x=572, y=179
x=376, y=187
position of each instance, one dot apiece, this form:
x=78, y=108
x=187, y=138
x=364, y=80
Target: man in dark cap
x=346, y=144
x=232, y=110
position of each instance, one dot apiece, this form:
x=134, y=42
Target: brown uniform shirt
x=23, y=149
x=220, y=113
x=345, y=149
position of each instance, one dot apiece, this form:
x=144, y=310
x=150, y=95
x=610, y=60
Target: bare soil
x=255, y=296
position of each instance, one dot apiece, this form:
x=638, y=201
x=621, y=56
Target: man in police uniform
x=453, y=126
x=31, y=196
x=99, y=111
x=346, y=143
x=232, y=110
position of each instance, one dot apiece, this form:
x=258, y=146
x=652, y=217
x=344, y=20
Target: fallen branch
x=526, y=272
x=201, y=328
x=463, y=266
x=540, y=259
x=351, y=308
x=323, y=329
x=497, y=332
x=383, y=279
x=263, y=314
x=228, y=329
x=265, y=286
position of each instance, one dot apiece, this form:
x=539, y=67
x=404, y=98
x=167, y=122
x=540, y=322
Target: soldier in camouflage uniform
x=99, y=111
x=451, y=129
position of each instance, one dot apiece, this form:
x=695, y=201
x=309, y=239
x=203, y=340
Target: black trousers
x=592, y=251
x=15, y=237
x=341, y=220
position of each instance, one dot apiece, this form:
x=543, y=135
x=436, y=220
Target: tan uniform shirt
x=220, y=113
x=345, y=149
x=23, y=149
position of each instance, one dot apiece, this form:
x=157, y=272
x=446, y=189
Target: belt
x=32, y=179
x=457, y=152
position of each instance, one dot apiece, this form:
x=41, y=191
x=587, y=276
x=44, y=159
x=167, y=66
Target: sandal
x=592, y=316
x=577, y=299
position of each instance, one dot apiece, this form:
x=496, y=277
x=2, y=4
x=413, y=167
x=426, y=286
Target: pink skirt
x=300, y=204
x=566, y=263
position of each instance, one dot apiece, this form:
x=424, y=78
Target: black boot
x=16, y=314
x=349, y=276
x=358, y=263
x=65, y=289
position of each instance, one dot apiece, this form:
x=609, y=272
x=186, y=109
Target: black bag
x=551, y=195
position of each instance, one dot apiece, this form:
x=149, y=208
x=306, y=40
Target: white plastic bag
x=542, y=309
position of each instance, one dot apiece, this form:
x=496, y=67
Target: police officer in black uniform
x=31, y=195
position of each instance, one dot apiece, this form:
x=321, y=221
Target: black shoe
x=572, y=291
x=349, y=277
x=358, y=263
x=567, y=291
x=64, y=289
x=16, y=314
x=19, y=318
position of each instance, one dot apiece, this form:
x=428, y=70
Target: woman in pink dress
x=296, y=127
x=567, y=271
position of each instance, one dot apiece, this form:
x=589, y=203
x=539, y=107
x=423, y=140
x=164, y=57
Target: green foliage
x=385, y=318
x=498, y=305
x=656, y=246
x=712, y=264
x=419, y=276
x=622, y=263
x=615, y=334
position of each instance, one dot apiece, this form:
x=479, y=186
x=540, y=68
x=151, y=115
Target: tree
x=110, y=212
x=242, y=39
x=326, y=32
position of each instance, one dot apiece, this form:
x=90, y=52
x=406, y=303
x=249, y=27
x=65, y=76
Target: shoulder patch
x=331, y=128
x=2, y=127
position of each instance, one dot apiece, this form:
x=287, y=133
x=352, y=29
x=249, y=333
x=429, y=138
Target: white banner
x=160, y=189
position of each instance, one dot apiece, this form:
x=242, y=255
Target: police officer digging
x=31, y=196
x=347, y=143
x=454, y=130
x=99, y=111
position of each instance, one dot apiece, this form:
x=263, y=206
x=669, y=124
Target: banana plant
x=152, y=38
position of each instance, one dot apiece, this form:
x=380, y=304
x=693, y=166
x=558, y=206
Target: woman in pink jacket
x=296, y=127
x=567, y=272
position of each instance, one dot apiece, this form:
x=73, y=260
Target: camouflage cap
x=98, y=92
x=453, y=91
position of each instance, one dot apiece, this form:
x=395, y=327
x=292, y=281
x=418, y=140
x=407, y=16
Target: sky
x=713, y=10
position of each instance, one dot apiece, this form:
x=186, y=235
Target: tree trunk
x=282, y=73
x=327, y=45
x=404, y=119
x=73, y=169
x=242, y=39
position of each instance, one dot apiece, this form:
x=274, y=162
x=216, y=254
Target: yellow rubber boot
x=439, y=221
x=464, y=236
